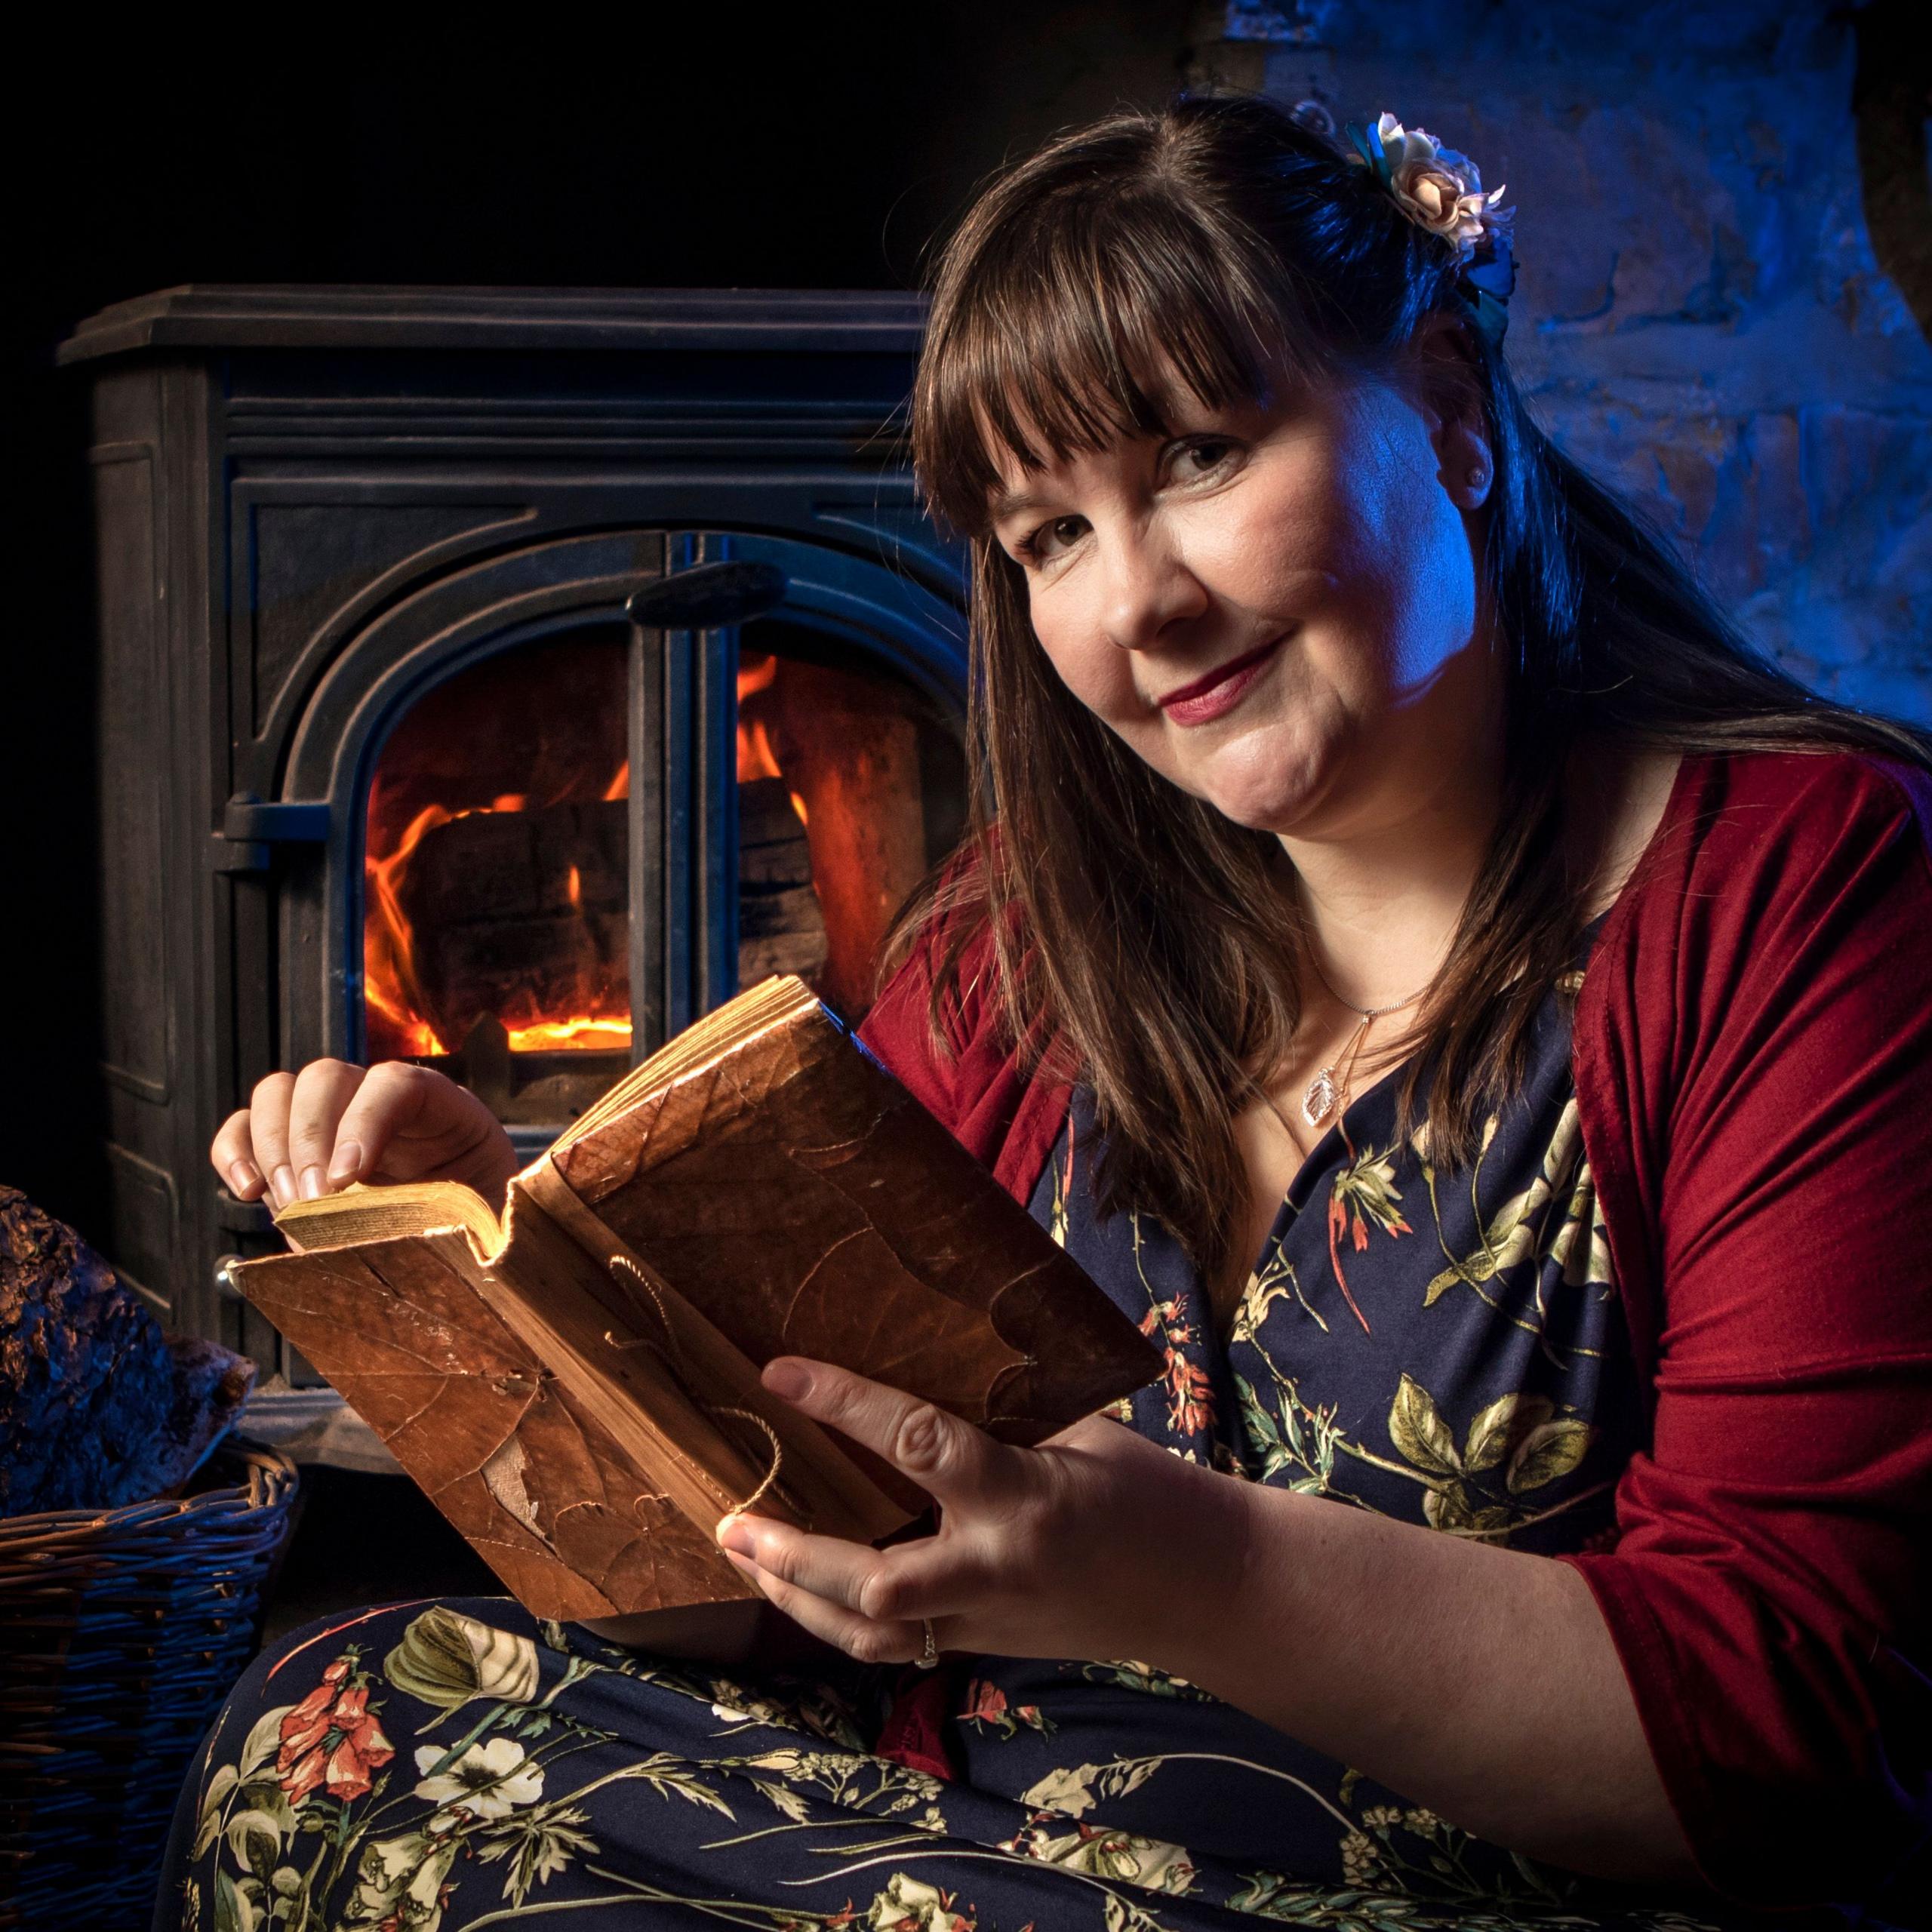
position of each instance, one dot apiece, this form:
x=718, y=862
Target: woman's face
x=1278, y=606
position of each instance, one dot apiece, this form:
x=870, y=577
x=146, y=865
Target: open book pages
x=359, y=1215
x=781, y=1000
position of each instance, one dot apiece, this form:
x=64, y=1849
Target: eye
x=1201, y=457
x=1047, y=539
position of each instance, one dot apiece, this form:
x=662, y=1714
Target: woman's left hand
x=1090, y=1545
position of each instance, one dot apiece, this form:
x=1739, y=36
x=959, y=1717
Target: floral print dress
x=1444, y=1349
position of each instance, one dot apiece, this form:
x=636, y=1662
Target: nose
x=1149, y=586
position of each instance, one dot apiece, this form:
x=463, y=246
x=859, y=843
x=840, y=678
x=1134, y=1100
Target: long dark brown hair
x=1145, y=939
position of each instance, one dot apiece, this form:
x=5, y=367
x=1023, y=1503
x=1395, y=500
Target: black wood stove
x=495, y=678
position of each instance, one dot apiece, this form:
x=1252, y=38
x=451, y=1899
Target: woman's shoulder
x=1780, y=807
x=1758, y=1009
x=1768, y=872
x=1745, y=835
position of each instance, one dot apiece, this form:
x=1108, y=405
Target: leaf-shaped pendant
x=1318, y=1102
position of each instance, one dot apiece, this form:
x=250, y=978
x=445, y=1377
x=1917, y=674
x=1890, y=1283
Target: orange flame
x=388, y=945
x=756, y=759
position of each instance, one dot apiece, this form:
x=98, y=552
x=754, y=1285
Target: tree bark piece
x=99, y=1408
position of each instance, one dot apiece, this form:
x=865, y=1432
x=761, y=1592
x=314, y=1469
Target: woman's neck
x=1383, y=891
x=1383, y=894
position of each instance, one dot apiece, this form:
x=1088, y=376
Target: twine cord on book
x=673, y=1359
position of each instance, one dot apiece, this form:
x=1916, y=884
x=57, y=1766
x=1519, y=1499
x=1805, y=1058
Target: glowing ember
x=581, y=1035
x=390, y=987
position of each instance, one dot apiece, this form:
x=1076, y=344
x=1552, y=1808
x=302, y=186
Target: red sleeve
x=1754, y=1065
x=1005, y=1116
x=896, y=1032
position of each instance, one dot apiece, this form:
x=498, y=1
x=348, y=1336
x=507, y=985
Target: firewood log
x=849, y=745
x=523, y=915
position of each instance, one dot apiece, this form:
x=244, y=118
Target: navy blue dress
x=1446, y=1349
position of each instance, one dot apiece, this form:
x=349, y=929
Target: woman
x=1476, y=1020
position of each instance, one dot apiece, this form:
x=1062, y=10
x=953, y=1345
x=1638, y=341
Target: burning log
x=520, y=916
x=781, y=928
x=487, y=912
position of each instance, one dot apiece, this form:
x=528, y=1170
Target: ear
x=1451, y=399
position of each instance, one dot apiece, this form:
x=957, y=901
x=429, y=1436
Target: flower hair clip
x=1441, y=190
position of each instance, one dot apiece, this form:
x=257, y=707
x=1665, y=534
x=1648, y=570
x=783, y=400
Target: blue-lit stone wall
x=1699, y=314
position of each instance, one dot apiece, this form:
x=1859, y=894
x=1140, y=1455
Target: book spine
x=695, y=1414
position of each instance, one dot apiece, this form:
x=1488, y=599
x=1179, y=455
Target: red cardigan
x=1753, y=1060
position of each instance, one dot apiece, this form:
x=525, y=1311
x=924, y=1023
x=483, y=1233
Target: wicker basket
x=121, y=1632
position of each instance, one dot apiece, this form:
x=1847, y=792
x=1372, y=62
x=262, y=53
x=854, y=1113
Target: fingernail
x=346, y=1162
x=734, y=1533
x=243, y=1179
x=788, y=1378
x=311, y=1183
x=282, y=1184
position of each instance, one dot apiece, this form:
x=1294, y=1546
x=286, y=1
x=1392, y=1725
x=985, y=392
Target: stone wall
x=1700, y=314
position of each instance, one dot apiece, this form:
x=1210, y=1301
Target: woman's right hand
x=309, y=1134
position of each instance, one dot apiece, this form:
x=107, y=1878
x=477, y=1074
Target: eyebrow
x=1013, y=502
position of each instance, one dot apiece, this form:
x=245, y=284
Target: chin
x=1260, y=783
x=1278, y=816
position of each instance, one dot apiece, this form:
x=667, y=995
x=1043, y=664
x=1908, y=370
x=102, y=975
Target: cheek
x=1085, y=659
x=1404, y=555
x=1266, y=547
x=1432, y=596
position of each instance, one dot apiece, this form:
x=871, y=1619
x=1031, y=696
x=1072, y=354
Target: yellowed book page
x=359, y=1214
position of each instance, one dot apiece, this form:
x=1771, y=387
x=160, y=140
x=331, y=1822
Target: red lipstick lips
x=1220, y=691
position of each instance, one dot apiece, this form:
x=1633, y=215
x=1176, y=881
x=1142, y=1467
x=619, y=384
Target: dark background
x=721, y=148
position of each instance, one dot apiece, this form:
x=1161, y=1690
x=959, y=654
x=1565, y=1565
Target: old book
x=576, y=1387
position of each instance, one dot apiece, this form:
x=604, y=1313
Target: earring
x=1478, y=476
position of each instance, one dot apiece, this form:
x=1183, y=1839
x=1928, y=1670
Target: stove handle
x=250, y=829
